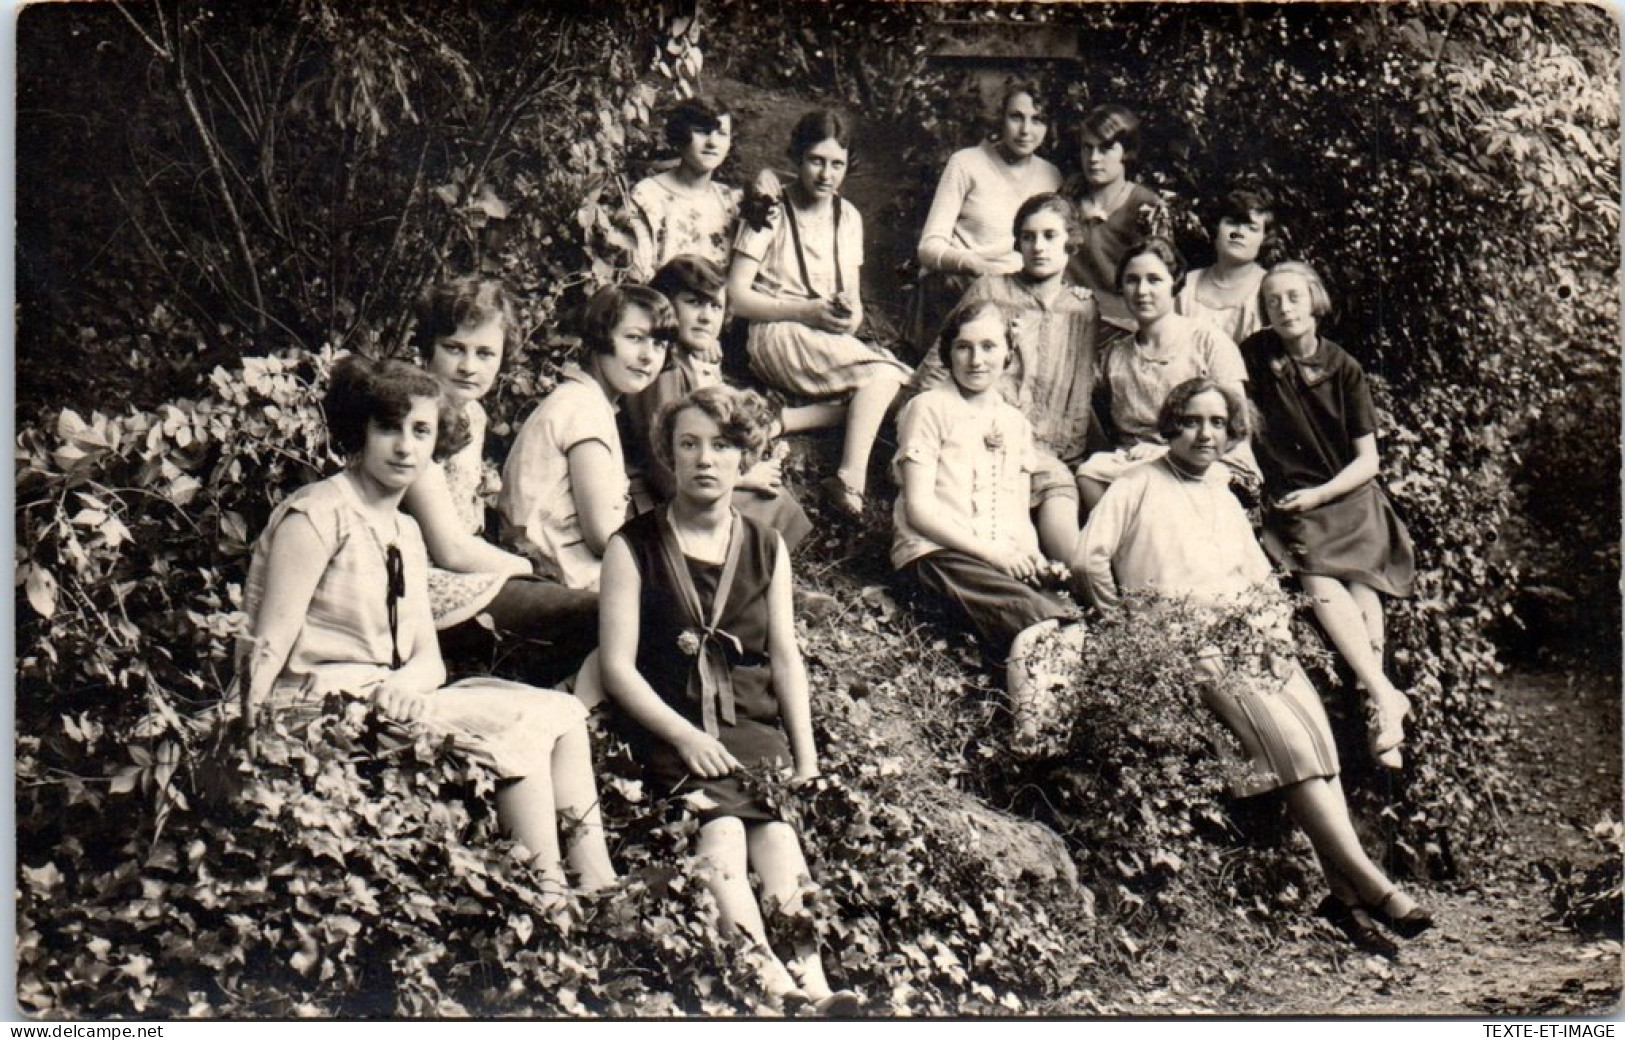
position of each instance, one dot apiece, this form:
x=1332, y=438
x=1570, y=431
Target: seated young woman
x=697, y=290
x=564, y=488
x=796, y=280
x=464, y=334
x=965, y=461
x=699, y=653
x=1172, y=528
x=338, y=602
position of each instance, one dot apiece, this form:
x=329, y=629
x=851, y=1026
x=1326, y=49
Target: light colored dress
x=1160, y=532
x=1052, y=376
x=983, y=457
x=1238, y=318
x=669, y=221
x=788, y=354
x=1139, y=382
x=537, y=503
x=454, y=596
x=982, y=461
x=347, y=645
x=975, y=206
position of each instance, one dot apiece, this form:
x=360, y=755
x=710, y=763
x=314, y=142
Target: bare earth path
x=1495, y=951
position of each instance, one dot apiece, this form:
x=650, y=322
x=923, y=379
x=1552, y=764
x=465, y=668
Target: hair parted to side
x=695, y=115
x=1173, y=408
x=819, y=125
x=745, y=418
x=449, y=307
x=604, y=310
x=1320, y=301
x=693, y=274
x=1112, y=124
x=363, y=390
x=1051, y=202
x=1014, y=87
x=963, y=315
x=1240, y=206
x=1161, y=248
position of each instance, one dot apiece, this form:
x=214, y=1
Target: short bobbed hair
x=1051, y=202
x=363, y=390
x=1239, y=206
x=1161, y=248
x=604, y=310
x=689, y=273
x=1173, y=407
x=963, y=315
x=1113, y=124
x=455, y=304
x=695, y=115
x=745, y=418
x=1320, y=301
x=821, y=124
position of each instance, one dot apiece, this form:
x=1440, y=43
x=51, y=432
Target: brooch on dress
x=688, y=641
x=994, y=439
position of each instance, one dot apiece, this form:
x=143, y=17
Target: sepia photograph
x=792, y=510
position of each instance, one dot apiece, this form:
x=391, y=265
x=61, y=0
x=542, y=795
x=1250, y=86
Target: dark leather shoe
x=1357, y=926
x=1409, y=924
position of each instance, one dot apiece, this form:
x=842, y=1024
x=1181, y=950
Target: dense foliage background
x=213, y=200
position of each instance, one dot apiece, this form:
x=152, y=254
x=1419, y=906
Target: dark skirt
x=1354, y=538
x=997, y=605
x=754, y=741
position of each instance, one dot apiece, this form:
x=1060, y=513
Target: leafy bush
x=1587, y=895
x=1474, y=266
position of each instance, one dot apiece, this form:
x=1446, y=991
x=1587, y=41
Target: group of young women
x=643, y=511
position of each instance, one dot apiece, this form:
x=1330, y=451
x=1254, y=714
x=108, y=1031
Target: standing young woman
x=796, y=280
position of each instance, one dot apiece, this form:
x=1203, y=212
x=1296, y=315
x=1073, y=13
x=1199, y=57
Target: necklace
x=1202, y=518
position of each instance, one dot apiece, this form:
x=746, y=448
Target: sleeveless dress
x=347, y=644
x=672, y=654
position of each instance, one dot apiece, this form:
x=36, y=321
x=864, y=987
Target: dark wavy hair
x=689, y=273
x=744, y=417
x=455, y=304
x=1161, y=248
x=363, y=390
x=1173, y=407
x=1051, y=202
x=963, y=315
x=603, y=312
x=1239, y=206
x=695, y=115
x=821, y=124
x=1111, y=124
